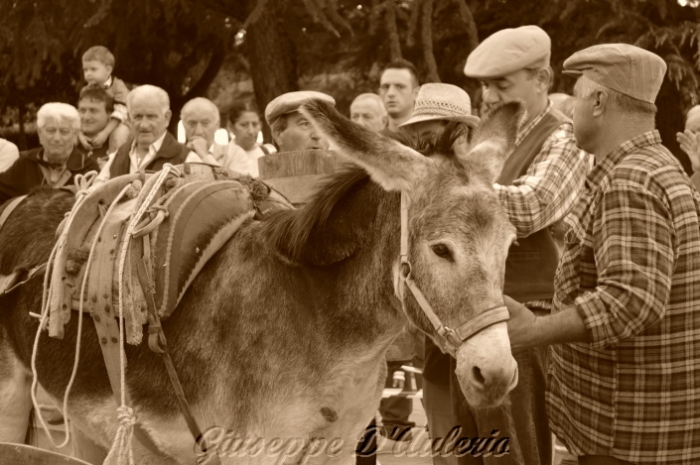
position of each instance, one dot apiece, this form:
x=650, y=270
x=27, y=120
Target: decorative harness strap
x=19, y=276
x=449, y=339
x=10, y=208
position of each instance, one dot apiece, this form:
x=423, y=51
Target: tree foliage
x=174, y=44
x=334, y=45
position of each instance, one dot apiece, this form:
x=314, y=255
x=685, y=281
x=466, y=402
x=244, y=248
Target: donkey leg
x=15, y=397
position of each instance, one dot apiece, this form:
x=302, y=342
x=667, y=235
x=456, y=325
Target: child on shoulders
x=98, y=64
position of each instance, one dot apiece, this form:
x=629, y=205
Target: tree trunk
x=272, y=57
x=392, y=30
x=200, y=88
x=669, y=121
x=22, y=142
x=427, y=40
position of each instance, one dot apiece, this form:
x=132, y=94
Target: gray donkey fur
x=283, y=333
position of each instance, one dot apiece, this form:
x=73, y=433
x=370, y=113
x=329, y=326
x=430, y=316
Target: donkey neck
x=342, y=248
x=365, y=280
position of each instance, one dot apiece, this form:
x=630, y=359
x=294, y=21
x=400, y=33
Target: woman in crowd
x=244, y=123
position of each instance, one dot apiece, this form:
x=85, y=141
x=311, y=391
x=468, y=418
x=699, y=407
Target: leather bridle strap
x=449, y=339
x=12, y=204
x=158, y=344
x=19, y=276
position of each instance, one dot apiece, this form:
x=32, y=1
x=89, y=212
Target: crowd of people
x=603, y=284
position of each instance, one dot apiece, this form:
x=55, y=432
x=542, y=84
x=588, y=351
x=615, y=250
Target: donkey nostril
x=478, y=377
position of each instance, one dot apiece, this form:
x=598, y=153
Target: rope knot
x=126, y=416
x=83, y=182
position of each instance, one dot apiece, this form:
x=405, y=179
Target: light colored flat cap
x=291, y=101
x=442, y=102
x=624, y=68
x=508, y=51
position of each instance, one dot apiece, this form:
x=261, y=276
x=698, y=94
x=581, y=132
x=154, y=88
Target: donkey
x=282, y=336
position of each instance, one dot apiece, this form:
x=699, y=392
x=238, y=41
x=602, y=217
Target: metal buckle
x=450, y=338
x=405, y=268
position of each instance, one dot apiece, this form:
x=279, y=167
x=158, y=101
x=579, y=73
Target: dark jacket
x=171, y=152
x=97, y=154
x=26, y=174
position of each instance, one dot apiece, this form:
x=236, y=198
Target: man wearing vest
x=151, y=146
x=538, y=186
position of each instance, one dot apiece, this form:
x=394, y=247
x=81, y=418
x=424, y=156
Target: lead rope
x=82, y=184
x=122, y=444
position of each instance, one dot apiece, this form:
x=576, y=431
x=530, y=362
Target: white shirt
x=245, y=161
x=8, y=154
x=135, y=165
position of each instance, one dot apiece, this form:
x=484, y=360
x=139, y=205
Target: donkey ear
x=495, y=139
x=390, y=164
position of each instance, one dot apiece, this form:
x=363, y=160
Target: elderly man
x=690, y=142
x=201, y=120
x=398, y=86
x=56, y=162
x=95, y=105
x=624, y=367
x=290, y=129
x=9, y=153
x=368, y=111
x=538, y=186
x=151, y=145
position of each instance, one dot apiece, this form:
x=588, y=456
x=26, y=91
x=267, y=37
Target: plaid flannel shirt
x=549, y=188
x=631, y=268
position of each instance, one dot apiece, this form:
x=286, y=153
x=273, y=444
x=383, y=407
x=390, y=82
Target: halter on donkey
x=344, y=283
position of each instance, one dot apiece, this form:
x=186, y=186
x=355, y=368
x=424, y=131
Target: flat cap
x=291, y=101
x=509, y=50
x=624, y=68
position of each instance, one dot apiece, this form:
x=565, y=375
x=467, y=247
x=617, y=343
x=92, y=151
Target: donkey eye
x=442, y=251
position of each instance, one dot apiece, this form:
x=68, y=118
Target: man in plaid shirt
x=624, y=378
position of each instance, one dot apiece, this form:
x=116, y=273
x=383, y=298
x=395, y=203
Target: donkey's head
x=457, y=234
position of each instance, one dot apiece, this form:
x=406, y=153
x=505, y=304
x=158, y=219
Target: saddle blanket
x=171, y=222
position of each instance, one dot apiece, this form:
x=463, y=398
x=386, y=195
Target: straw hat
x=442, y=102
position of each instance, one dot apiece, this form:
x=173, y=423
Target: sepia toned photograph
x=331, y=232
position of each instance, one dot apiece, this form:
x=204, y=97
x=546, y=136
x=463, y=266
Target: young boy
x=98, y=63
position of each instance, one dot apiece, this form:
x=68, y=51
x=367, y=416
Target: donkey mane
x=438, y=142
x=290, y=231
x=428, y=143
x=46, y=207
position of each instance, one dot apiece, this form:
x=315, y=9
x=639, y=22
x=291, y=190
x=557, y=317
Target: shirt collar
x=603, y=167
x=108, y=82
x=154, y=147
x=75, y=162
x=527, y=128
